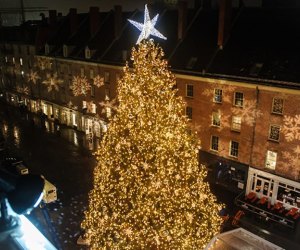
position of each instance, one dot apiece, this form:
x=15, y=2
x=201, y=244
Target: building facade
x=249, y=125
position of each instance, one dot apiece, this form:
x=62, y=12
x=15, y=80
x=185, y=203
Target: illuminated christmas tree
x=149, y=190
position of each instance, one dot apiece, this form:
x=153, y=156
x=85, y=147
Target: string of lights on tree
x=149, y=190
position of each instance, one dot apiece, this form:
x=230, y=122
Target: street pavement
x=63, y=158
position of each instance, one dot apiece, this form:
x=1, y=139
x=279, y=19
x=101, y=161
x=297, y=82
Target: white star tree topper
x=147, y=28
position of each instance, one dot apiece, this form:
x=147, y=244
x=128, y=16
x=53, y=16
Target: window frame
x=189, y=90
x=234, y=126
x=212, y=119
x=234, y=152
x=236, y=99
x=106, y=77
x=270, y=130
x=220, y=95
x=189, y=112
x=275, y=112
x=270, y=160
x=213, y=143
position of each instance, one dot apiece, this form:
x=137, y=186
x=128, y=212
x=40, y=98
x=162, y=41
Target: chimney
x=118, y=20
x=73, y=17
x=182, y=18
x=52, y=17
x=224, y=21
x=94, y=20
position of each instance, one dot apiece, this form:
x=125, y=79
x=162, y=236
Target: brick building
x=237, y=69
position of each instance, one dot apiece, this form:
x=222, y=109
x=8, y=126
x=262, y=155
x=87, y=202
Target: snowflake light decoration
x=22, y=90
x=98, y=81
x=53, y=82
x=291, y=128
x=80, y=85
x=33, y=77
x=147, y=28
x=43, y=63
x=89, y=107
x=248, y=113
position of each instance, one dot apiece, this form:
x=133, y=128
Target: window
x=189, y=90
x=82, y=72
x=124, y=55
x=277, y=106
x=21, y=61
x=274, y=132
x=91, y=73
x=87, y=53
x=106, y=77
x=216, y=119
x=271, y=159
x=92, y=90
x=47, y=49
x=189, y=112
x=107, y=94
x=214, y=143
x=218, y=96
x=6, y=59
x=238, y=99
x=108, y=112
x=13, y=60
x=84, y=105
x=65, y=50
x=236, y=123
x=93, y=108
x=234, y=149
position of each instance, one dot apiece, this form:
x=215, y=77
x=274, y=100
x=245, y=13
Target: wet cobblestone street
x=61, y=156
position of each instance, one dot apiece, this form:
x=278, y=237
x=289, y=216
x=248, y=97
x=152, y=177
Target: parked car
x=14, y=166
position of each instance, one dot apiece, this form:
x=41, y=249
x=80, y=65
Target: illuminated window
x=84, y=105
x=108, y=112
x=21, y=61
x=107, y=94
x=189, y=112
x=214, y=143
x=236, y=123
x=218, y=95
x=13, y=60
x=189, y=90
x=106, y=77
x=277, y=106
x=234, y=149
x=238, y=99
x=6, y=59
x=93, y=108
x=216, y=119
x=274, y=132
x=271, y=159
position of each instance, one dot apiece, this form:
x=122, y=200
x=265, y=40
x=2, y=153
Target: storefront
x=275, y=188
x=230, y=174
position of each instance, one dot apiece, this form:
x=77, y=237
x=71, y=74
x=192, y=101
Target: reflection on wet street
x=61, y=154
